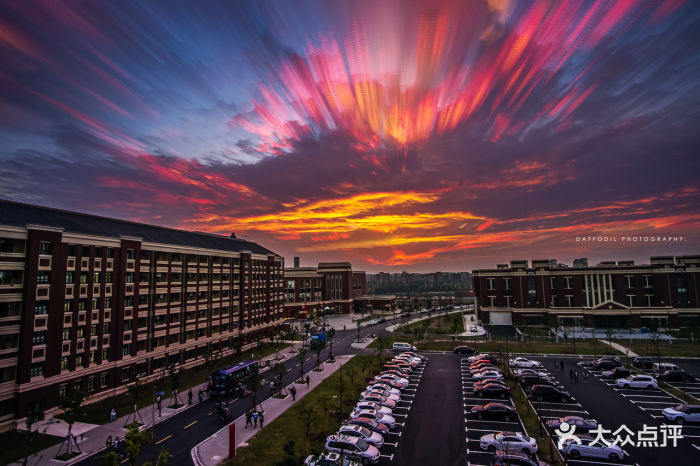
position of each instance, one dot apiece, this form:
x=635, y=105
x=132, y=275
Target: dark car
x=494, y=411
x=464, y=350
x=606, y=364
x=371, y=424
x=381, y=320
x=616, y=373
x=530, y=380
x=582, y=425
x=513, y=458
x=548, y=393
x=492, y=390
x=677, y=376
x=643, y=363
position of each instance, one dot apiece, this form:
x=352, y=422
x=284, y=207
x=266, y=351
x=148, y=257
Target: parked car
x=677, y=376
x=549, y=393
x=508, y=441
x=414, y=354
x=488, y=374
x=616, y=373
x=373, y=438
x=353, y=447
x=473, y=329
x=371, y=424
x=381, y=320
x=637, y=381
x=392, y=380
x=643, y=363
x=483, y=383
x=464, y=350
x=683, y=413
x=528, y=380
x=582, y=425
x=481, y=363
x=397, y=372
x=377, y=397
x=376, y=415
x=401, y=346
x=492, y=390
x=572, y=449
x=372, y=322
x=399, y=365
x=483, y=356
x=524, y=363
x=423, y=311
x=328, y=458
x=384, y=387
x=513, y=458
x=372, y=405
x=522, y=372
x=661, y=367
x=494, y=411
x=414, y=362
x=606, y=364
x=477, y=370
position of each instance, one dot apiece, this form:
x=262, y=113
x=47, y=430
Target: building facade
x=90, y=303
x=619, y=294
x=332, y=284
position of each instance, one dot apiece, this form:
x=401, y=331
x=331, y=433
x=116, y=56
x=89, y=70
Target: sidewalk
x=92, y=438
x=620, y=348
x=213, y=450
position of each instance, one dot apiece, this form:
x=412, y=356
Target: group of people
x=573, y=373
x=253, y=417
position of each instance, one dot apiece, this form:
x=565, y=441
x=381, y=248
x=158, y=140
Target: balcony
x=42, y=291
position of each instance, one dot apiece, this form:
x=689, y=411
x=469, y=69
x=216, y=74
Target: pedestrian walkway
x=215, y=449
x=620, y=348
x=94, y=438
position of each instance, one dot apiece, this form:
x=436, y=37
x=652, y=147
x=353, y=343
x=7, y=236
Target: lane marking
x=163, y=439
x=191, y=424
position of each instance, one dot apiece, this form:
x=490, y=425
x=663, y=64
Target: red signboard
x=232, y=440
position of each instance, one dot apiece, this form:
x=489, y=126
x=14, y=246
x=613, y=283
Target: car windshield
x=362, y=445
x=364, y=431
x=681, y=408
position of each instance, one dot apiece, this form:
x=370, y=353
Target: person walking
x=109, y=442
x=293, y=391
x=255, y=419
x=262, y=419
x=116, y=445
x=248, y=418
x=189, y=397
x=576, y=375
x=113, y=415
x=308, y=379
x=272, y=387
x=571, y=375
x=585, y=375
x=201, y=395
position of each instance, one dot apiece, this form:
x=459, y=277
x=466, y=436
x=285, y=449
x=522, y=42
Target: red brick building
x=611, y=294
x=89, y=303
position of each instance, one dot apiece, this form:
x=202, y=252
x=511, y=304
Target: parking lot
x=476, y=428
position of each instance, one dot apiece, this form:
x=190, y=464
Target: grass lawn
x=535, y=331
x=16, y=445
x=98, y=412
x=504, y=346
x=321, y=408
x=684, y=349
x=439, y=325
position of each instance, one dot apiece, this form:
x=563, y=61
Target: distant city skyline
x=396, y=135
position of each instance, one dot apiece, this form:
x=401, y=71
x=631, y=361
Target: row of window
x=630, y=281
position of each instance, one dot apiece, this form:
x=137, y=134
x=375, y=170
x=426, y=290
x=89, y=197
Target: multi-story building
x=90, y=303
x=663, y=293
x=332, y=285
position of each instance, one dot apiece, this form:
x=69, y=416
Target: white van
x=659, y=368
x=400, y=346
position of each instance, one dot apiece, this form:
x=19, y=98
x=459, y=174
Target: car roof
x=344, y=438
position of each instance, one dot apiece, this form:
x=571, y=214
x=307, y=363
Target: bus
x=232, y=380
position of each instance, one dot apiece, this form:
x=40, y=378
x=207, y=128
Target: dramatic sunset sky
x=398, y=135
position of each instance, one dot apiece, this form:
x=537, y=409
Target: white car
x=328, y=458
x=572, y=449
x=393, y=378
x=508, y=441
x=683, y=413
x=488, y=375
x=637, y=381
x=353, y=447
x=382, y=393
x=473, y=329
x=384, y=387
x=414, y=362
x=477, y=357
x=351, y=430
x=524, y=363
x=389, y=421
x=519, y=372
x=375, y=406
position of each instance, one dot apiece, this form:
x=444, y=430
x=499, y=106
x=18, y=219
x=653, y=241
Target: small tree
x=301, y=354
x=280, y=370
x=358, y=330
x=253, y=384
x=72, y=411
x=307, y=415
x=318, y=349
x=135, y=440
x=174, y=374
x=163, y=459
x=331, y=336
x=135, y=391
x=26, y=438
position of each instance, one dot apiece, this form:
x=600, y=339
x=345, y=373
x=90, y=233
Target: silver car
x=373, y=438
x=599, y=450
x=508, y=441
x=683, y=413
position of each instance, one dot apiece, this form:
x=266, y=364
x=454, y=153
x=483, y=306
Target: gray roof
x=20, y=215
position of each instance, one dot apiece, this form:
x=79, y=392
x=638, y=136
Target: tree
x=358, y=330
x=111, y=458
x=135, y=440
x=280, y=370
x=331, y=336
x=26, y=437
x=307, y=415
x=318, y=348
x=300, y=355
x=253, y=384
x=174, y=375
x=71, y=405
x=135, y=391
x=163, y=459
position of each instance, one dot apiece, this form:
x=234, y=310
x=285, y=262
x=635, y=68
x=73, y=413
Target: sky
x=397, y=135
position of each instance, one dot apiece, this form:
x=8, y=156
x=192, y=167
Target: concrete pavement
x=215, y=449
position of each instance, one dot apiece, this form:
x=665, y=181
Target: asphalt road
x=181, y=432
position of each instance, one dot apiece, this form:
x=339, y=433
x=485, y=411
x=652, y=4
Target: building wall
x=98, y=311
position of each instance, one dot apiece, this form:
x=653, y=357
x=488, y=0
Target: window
x=128, y=301
x=68, y=305
x=648, y=281
x=36, y=369
x=65, y=362
x=630, y=300
x=531, y=291
x=126, y=349
x=43, y=277
x=83, y=277
x=45, y=248
x=130, y=254
x=79, y=361
x=72, y=250
x=108, y=277
x=91, y=382
x=93, y=357
x=508, y=300
x=629, y=280
x=41, y=308
x=130, y=277
x=96, y=277
x=82, y=305
x=492, y=301
x=554, y=300
x=86, y=251
x=80, y=332
x=105, y=354
x=569, y=300
x=62, y=390
x=103, y=379
x=108, y=302
x=95, y=304
x=649, y=300
x=69, y=278
x=93, y=330
x=506, y=283
x=106, y=328
x=39, y=338
x=98, y=251
x=66, y=334
x=567, y=283
x=682, y=288
x=553, y=283
x=125, y=374
x=128, y=324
